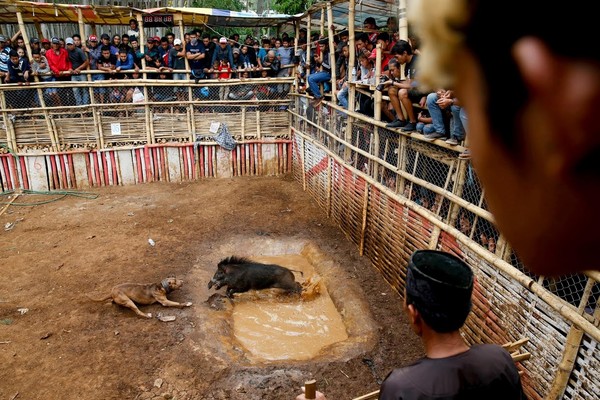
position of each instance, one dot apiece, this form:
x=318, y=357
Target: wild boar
x=241, y=274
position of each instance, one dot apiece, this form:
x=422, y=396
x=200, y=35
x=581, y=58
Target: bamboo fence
x=354, y=170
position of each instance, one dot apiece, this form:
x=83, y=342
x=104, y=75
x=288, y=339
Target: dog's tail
x=108, y=296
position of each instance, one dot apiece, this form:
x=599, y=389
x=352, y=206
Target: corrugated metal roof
x=118, y=15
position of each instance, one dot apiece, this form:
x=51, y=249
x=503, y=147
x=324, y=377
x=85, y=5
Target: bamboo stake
x=329, y=186
x=23, y=32
x=302, y=149
x=563, y=374
x=308, y=47
x=179, y=17
x=331, y=51
x=363, y=229
x=322, y=31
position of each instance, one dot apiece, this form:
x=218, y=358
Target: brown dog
x=128, y=294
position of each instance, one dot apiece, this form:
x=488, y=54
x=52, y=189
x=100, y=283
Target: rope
x=60, y=193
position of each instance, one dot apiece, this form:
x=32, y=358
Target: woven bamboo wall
x=411, y=195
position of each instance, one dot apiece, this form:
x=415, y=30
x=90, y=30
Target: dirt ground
x=57, y=343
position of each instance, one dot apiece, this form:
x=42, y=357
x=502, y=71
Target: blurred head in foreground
x=531, y=92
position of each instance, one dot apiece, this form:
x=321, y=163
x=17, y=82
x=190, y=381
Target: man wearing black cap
x=438, y=300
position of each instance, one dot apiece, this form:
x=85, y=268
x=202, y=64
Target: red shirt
x=58, y=62
x=224, y=72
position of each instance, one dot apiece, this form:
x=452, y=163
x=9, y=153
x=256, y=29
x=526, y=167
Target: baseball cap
x=104, y=36
x=176, y=42
x=156, y=38
x=223, y=40
x=236, y=50
x=69, y=41
x=55, y=40
x=2, y=38
x=93, y=38
x=45, y=40
x=35, y=40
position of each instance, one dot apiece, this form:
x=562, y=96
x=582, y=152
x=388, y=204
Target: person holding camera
x=404, y=92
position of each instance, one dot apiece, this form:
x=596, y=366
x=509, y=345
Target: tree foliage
x=292, y=6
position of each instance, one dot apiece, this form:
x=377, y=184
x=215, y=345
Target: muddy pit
x=67, y=346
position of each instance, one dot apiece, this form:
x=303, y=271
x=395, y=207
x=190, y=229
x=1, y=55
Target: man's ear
x=415, y=318
x=562, y=106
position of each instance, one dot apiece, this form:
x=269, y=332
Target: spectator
x=134, y=30
x=105, y=41
x=424, y=122
x=196, y=52
x=35, y=44
x=371, y=28
x=4, y=57
x=163, y=50
x=406, y=91
x=94, y=52
x=77, y=40
x=437, y=300
x=40, y=68
x=223, y=52
x=271, y=62
x=46, y=45
x=124, y=63
x=79, y=62
x=136, y=51
x=177, y=62
x=107, y=62
x=116, y=40
x=18, y=71
x=60, y=64
x=437, y=103
x=322, y=76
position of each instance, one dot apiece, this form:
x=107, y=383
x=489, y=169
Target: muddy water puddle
x=330, y=321
x=272, y=326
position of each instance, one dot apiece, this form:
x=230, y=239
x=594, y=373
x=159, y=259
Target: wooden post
x=179, y=17
x=377, y=110
x=24, y=33
x=331, y=53
x=142, y=41
x=363, y=228
x=322, y=32
x=81, y=24
x=561, y=379
x=402, y=20
x=330, y=184
x=308, y=48
x=310, y=389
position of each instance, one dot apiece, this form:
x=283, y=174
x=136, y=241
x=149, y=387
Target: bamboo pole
x=322, y=31
x=308, y=47
x=10, y=136
x=179, y=18
x=331, y=52
x=377, y=110
x=142, y=42
x=569, y=357
x=303, y=164
x=410, y=176
x=402, y=20
x=329, y=185
x=24, y=32
x=351, y=86
x=363, y=229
